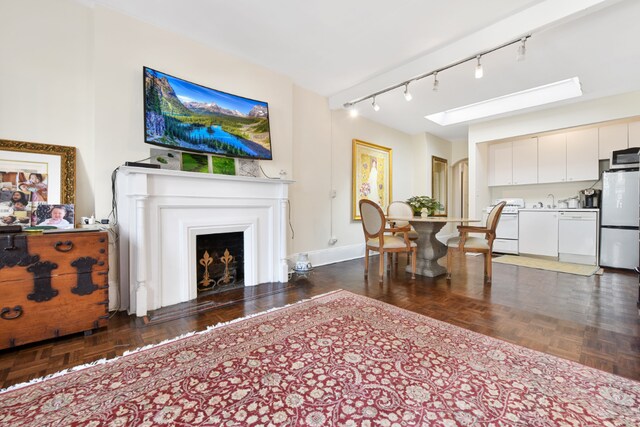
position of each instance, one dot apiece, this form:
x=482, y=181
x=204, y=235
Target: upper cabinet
x=552, y=158
x=612, y=137
x=525, y=161
x=582, y=155
x=634, y=134
x=500, y=163
x=513, y=162
x=560, y=157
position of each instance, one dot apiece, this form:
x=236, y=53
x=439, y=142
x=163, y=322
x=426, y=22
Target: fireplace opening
x=220, y=262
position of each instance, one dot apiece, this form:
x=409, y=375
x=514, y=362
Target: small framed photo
x=247, y=167
x=167, y=159
x=195, y=162
x=15, y=208
x=223, y=165
x=59, y=216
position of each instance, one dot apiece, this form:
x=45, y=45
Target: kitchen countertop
x=558, y=210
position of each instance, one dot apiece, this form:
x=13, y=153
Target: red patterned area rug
x=339, y=359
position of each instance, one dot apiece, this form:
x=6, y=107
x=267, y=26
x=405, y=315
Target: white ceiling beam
x=537, y=18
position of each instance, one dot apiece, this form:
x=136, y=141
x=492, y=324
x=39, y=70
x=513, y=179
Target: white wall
x=46, y=81
x=580, y=114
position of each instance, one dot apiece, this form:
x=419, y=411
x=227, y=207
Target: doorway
x=460, y=189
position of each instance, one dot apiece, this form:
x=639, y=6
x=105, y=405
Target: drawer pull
x=63, y=246
x=4, y=313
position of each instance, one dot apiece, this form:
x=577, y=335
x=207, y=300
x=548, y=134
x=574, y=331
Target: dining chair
x=374, y=227
x=483, y=245
x=402, y=209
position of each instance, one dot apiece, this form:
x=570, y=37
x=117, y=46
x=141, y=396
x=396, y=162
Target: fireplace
x=219, y=262
x=161, y=213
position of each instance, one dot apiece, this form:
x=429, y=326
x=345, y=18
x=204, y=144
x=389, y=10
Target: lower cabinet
x=52, y=285
x=538, y=233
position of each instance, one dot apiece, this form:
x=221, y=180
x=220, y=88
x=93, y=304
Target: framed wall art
x=47, y=171
x=371, y=175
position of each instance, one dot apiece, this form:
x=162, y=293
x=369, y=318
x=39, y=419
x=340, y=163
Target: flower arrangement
x=420, y=203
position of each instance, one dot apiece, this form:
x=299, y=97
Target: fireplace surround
x=160, y=215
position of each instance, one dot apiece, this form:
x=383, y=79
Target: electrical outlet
x=333, y=240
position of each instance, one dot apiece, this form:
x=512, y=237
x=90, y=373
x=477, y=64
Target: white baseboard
x=331, y=255
x=342, y=253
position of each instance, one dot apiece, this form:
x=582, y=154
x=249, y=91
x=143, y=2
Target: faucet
x=553, y=200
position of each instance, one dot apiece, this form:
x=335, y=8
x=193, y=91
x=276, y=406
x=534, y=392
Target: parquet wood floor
x=591, y=320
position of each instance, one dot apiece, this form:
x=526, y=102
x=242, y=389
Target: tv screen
x=186, y=116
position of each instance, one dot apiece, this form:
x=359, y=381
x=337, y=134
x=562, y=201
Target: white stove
x=512, y=206
x=507, y=232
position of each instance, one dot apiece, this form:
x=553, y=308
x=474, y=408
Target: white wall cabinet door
x=582, y=155
x=612, y=137
x=500, y=164
x=538, y=233
x=634, y=134
x=525, y=161
x=552, y=158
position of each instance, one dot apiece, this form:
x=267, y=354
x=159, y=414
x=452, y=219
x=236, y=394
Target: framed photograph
x=47, y=171
x=167, y=159
x=247, y=167
x=56, y=215
x=195, y=162
x=371, y=175
x=223, y=165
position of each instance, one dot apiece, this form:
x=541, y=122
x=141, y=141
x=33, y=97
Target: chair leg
x=449, y=260
x=487, y=267
x=381, y=268
x=414, y=255
x=366, y=262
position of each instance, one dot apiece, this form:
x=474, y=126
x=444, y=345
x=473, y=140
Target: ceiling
x=346, y=50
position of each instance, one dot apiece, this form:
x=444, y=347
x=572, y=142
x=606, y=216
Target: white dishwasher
x=578, y=237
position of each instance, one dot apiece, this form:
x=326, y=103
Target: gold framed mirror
x=439, y=189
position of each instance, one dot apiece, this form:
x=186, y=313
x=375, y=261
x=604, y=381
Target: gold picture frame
x=372, y=172
x=439, y=183
x=59, y=160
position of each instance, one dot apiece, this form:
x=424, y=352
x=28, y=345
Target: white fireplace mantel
x=161, y=211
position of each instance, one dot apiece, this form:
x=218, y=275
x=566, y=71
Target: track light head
x=375, y=106
x=407, y=94
x=522, y=50
x=436, y=82
x=479, y=70
x=353, y=111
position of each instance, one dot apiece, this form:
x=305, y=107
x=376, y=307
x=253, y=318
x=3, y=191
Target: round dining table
x=430, y=249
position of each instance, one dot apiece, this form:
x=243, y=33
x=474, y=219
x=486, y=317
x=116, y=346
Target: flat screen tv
x=185, y=116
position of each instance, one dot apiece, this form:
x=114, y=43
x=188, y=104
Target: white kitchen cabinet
x=612, y=137
x=525, y=161
x=500, y=164
x=634, y=134
x=552, y=158
x=582, y=155
x=578, y=237
x=538, y=233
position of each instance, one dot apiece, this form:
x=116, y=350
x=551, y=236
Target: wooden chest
x=51, y=285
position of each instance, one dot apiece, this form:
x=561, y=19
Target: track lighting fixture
x=407, y=94
x=353, y=111
x=522, y=50
x=479, y=70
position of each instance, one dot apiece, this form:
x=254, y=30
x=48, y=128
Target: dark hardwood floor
x=591, y=320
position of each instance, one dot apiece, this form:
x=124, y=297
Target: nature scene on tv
x=187, y=116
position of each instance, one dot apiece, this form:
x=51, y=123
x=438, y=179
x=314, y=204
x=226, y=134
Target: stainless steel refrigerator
x=619, y=219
